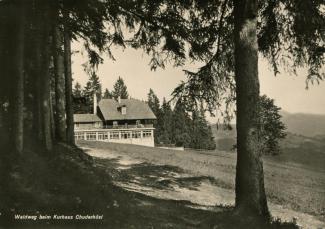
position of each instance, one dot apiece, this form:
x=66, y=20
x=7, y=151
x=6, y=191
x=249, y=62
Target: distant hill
x=309, y=125
x=295, y=148
x=304, y=127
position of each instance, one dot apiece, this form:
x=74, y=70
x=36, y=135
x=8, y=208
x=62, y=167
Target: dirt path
x=157, y=178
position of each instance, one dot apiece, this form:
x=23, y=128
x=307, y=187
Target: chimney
x=95, y=104
x=119, y=99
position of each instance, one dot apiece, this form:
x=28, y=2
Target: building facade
x=124, y=121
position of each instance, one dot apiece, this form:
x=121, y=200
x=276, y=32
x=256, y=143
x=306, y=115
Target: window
x=115, y=124
x=125, y=135
x=91, y=136
x=77, y=125
x=114, y=135
x=102, y=136
x=136, y=134
x=147, y=133
x=123, y=110
x=79, y=136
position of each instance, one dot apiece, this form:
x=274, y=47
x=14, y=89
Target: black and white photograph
x=162, y=114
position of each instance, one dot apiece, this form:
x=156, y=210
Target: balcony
x=128, y=126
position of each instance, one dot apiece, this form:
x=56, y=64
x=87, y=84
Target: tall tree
x=153, y=102
x=200, y=132
x=45, y=93
x=120, y=89
x=17, y=100
x=165, y=124
x=68, y=80
x=93, y=86
x=181, y=123
x=250, y=191
x=58, y=59
x=284, y=35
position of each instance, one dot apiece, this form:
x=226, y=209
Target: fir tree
x=77, y=91
x=201, y=134
x=93, y=86
x=165, y=123
x=120, y=89
x=182, y=122
x=153, y=102
x=107, y=94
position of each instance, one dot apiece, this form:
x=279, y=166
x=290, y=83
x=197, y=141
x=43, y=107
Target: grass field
x=290, y=185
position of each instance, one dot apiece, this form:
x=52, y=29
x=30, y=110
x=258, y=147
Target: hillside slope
x=295, y=148
x=309, y=125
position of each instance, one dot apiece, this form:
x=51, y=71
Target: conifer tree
x=77, y=90
x=181, y=124
x=201, y=133
x=120, y=89
x=165, y=123
x=92, y=87
x=107, y=94
x=153, y=102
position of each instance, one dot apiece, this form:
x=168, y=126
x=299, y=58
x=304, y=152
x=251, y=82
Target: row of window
x=112, y=135
x=95, y=124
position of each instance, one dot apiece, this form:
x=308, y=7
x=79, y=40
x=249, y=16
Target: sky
x=288, y=91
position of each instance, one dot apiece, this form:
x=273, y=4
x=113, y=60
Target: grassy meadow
x=293, y=185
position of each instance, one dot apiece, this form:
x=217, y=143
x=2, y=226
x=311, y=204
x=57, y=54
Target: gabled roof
x=86, y=118
x=135, y=109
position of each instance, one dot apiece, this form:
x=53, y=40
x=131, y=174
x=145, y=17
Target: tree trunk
x=37, y=111
x=250, y=192
x=45, y=78
x=17, y=99
x=45, y=96
x=36, y=71
x=60, y=113
x=68, y=84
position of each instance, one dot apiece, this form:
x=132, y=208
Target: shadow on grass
x=69, y=183
x=156, y=176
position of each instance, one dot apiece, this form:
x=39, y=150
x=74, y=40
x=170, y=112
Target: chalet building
x=123, y=121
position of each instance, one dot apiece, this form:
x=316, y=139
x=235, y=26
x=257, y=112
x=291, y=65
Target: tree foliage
x=273, y=129
x=153, y=102
x=177, y=127
x=93, y=86
x=120, y=89
x=107, y=94
x=77, y=91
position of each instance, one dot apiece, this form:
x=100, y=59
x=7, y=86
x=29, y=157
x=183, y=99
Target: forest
x=228, y=36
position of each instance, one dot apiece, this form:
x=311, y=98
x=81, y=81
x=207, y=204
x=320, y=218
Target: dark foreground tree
x=289, y=33
x=17, y=98
x=58, y=60
x=250, y=191
x=68, y=81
